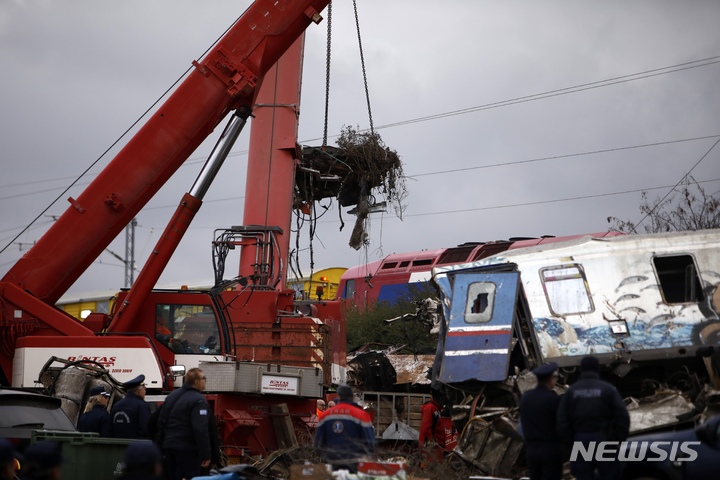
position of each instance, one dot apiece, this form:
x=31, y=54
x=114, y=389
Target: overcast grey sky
x=77, y=73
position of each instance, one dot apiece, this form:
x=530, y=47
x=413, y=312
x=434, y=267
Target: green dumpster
x=89, y=456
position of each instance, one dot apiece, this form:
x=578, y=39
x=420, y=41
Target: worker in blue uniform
x=130, y=416
x=538, y=410
x=96, y=417
x=345, y=433
x=592, y=410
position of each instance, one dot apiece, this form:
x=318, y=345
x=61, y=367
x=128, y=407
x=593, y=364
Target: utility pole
x=130, y=253
x=129, y=259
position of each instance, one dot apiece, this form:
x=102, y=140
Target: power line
x=26, y=194
x=33, y=182
x=537, y=96
x=555, y=157
x=561, y=91
x=21, y=226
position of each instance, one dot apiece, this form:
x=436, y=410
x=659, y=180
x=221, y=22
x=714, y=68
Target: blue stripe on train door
x=479, y=327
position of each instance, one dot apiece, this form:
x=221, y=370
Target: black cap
x=135, y=382
x=142, y=455
x=99, y=390
x=345, y=392
x=590, y=364
x=544, y=371
x=7, y=452
x=436, y=394
x=46, y=455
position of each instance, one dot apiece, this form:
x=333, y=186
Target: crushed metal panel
x=659, y=410
x=412, y=369
x=479, y=327
x=493, y=446
x=371, y=370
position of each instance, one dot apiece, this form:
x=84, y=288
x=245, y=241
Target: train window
x=349, y=289
x=455, y=255
x=480, y=302
x=422, y=262
x=187, y=328
x=389, y=265
x=679, y=280
x=404, y=264
x=566, y=290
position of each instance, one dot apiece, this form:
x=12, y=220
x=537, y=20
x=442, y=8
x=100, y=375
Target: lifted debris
x=361, y=171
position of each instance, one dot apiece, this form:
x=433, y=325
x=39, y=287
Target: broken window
x=678, y=278
x=566, y=290
x=480, y=302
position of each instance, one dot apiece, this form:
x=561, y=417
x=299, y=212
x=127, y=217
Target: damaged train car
x=648, y=306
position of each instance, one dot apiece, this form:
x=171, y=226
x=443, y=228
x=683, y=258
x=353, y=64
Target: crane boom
x=225, y=79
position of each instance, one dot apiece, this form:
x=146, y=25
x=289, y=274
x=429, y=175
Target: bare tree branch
x=687, y=207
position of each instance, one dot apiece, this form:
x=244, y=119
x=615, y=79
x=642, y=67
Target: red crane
x=256, y=321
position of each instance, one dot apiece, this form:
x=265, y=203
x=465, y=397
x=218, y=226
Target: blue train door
x=479, y=326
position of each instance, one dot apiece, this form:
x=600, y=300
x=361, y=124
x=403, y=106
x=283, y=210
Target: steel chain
x=362, y=63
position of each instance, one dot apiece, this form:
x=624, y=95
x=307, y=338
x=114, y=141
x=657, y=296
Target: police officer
x=96, y=417
x=130, y=415
x=43, y=461
x=143, y=461
x=345, y=433
x=538, y=418
x=592, y=410
x=183, y=428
